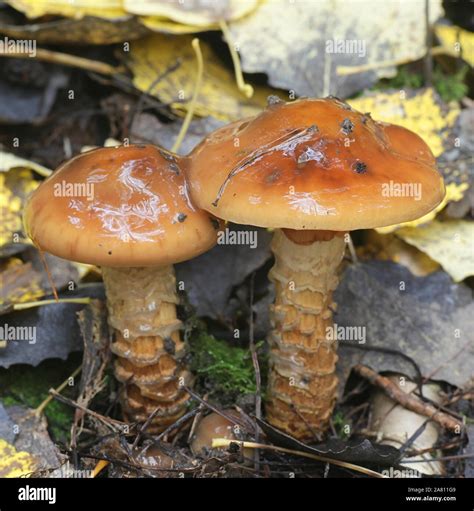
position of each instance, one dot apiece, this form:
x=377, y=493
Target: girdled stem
x=302, y=382
x=150, y=353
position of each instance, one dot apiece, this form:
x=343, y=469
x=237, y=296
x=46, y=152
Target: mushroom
x=215, y=426
x=395, y=425
x=127, y=210
x=312, y=169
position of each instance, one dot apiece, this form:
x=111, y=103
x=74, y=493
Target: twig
x=196, y=419
x=66, y=59
x=212, y=407
x=352, y=70
x=223, y=442
x=178, y=423
x=61, y=387
x=256, y=367
x=105, y=420
x=246, y=88
x=192, y=104
x=409, y=401
x=39, y=303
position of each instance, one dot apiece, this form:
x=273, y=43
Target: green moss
x=339, y=421
x=404, y=79
x=450, y=86
x=28, y=386
x=224, y=370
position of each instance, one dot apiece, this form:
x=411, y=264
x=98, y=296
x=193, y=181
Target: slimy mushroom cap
x=314, y=164
x=119, y=206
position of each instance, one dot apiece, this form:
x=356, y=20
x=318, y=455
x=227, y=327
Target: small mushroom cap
x=210, y=427
x=119, y=206
x=314, y=164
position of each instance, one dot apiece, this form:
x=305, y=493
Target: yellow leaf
x=420, y=111
x=165, y=66
x=15, y=186
x=457, y=40
x=389, y=247
x=450, y=243
x=20, y=282
x=87, y=30
x=454, y=193
x=189, y=13
x=14, y=463
x=76, y=9
x=10, y=161
x=167, y=26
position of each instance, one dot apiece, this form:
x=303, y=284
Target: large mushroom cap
x=119, y=206
x=314, y=164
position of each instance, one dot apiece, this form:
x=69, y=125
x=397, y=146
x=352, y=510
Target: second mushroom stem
x=302, y=382
x=150, y=353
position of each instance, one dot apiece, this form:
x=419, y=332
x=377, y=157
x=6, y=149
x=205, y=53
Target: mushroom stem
x=150, y=353
x=302, y=382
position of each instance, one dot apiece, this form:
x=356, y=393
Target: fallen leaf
x=26, y=280
x=7, y=426
x=431, y=320
x=457, y=40
x=36, y=8
x=454, y=193
x=229, y=266
x=10, y=161
x=56, y=330
x=188, y=16
x=29, y=100
x=146, y=128
x=298, y=44
x=389, y=247
x=352, y=451
x=450, y=243
x=15, y=186
x=14, y=463
x=32, y=448
x=86, y=30
x=165, y=66
x=421, y=111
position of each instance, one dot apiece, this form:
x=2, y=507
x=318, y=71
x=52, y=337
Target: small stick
x=409, y=401
x=39, y=303
x=246, y=88
x=65, y=59
x=99, y=467
x=192, y=104
x=256, y=367
x=107, y=421
x=223, y=442
x=352, y=70
x=61, y=387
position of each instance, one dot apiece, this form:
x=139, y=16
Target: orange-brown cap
x=314, y=164
x=119, y=206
